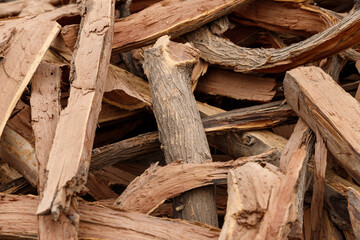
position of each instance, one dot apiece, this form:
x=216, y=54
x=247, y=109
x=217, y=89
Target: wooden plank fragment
x=245, y=119
x=45, y=114
x=236, y=85
x=158, y=184
x=168, y=66
x=335, y=39
x=318, y=187
x=67, y=170
x=15, y=74
x=354, y=210
x=168, y=17
x=18, y=220
x=250, y=187
x=285, y=212
x=307, y=90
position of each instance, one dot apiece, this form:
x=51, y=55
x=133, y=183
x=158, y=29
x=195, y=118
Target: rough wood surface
x=285, y=211
x=246, y=119
x=236, y=85
x=15, y=74
x=168, y=66
x=19, y=154
x=307, y=90
x=18, y=220
x=250, y=188
x=335, y=39
x=167, y=17
x=158, y=184
x=318, y=186
x=354, y=210
x=299, y=19
x=68, y=170
x=45, y=107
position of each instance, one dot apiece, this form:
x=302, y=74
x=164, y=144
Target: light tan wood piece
x=45, y=114
x=30, y=40
x=307, y=90
x=69, y=161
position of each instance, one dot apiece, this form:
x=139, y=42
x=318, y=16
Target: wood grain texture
x=354, y=210
x=8, y=9
x=334, y=39
x=19, y=154
x=45, y=114
x=168, y=66
x=250, y=188
x=18, y=220
x=158, y=184
x=30, y=40
x=236, y=85
x=167, y=17
x=68, y=169
x=317, y=202
x=245, y=119
x=300, y=19
x=307, y=90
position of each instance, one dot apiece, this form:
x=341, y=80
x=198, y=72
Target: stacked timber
x=180, y=119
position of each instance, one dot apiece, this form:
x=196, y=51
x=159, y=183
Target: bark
x=68, y=170
x=15, y=74
x=18, y=220
x=167, y=17
x=246, y=119
x=168, y=66
x=158, y=184
x=333, y=40
x=236, y=85
x=307, y=90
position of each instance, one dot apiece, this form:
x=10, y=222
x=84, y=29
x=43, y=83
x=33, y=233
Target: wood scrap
x=12, y=39
x=83, y=107
x=18, y=219
x=141, y=196
x=326, y=114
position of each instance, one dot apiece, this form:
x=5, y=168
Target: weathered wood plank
x=307, y=90
x=68, y=169
x=168, y=66
x=45, y=114
x=15, y=74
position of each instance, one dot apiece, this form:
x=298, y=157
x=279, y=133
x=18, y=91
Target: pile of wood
x=180, y=119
